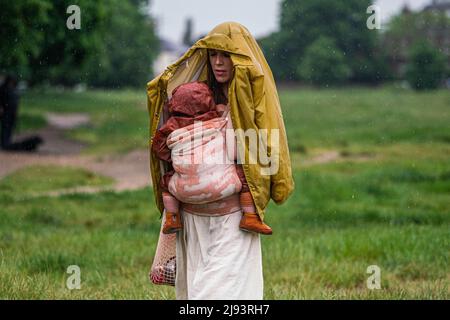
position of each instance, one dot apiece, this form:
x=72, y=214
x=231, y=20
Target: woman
x=215, y=259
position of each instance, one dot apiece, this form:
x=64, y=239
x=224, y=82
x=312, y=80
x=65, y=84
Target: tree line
x=323, y=42
x=327, y=42
x=114, y=47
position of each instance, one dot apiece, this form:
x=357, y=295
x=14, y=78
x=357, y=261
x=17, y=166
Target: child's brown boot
x=172, y=223
x=251, y=222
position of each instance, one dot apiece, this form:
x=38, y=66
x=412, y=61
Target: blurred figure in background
x=9, y=104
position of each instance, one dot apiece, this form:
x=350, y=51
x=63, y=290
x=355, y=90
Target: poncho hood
x=254, y=106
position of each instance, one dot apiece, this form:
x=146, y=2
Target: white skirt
x=216, y=260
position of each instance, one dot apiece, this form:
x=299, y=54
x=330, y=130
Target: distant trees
x=64, y=54
x=426, y=66
x=129, y=47
x=326, y=42
x=414, y=38
x=114, y=47
x=303, y=22
x=323, y=42
x=324, y=63
x=21, y=34
x=187, y=36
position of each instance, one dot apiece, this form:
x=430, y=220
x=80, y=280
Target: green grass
x=29, y=121
x=112, y=245
x=315, y=119
x=389, y=208
x=119, y=121
x=364, y=117
x=40, y=179
x=349, y=216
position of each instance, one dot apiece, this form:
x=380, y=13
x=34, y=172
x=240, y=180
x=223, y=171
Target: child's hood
x=191, y=99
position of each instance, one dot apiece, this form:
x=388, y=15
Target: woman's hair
x=215, y=86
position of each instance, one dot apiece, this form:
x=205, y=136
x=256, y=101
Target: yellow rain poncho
x=254, y=104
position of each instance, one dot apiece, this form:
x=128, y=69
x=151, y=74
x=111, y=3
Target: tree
x=304, y=21
x=129, y=48
x=114, y=47
x=64, y=54
x=426, y=67
x=407, y=28
x=324, y=63
x=21, y=38
x=187, y=37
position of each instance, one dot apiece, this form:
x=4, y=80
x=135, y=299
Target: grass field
x=383, y=200
x=119, y=121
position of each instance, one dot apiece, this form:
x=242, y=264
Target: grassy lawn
x=384, y=201
x=119, y=121
x=40, y=179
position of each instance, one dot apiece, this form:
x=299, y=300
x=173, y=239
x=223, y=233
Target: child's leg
x=247, y=203
x=172, y=223
x=170, y=202
x=250, y=219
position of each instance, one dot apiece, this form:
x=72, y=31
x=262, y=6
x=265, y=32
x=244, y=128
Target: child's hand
x=220, y=108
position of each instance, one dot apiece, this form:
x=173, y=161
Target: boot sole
x=170, y=231
x=252, y=231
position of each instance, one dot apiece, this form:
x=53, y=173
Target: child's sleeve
x=159, y=146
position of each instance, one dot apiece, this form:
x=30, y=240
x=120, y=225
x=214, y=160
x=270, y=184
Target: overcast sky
x=259, y=16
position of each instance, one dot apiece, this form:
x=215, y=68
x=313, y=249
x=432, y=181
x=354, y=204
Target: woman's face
x=221, y=64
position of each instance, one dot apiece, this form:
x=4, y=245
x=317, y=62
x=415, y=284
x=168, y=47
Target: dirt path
x=130, y=171
x=336, y=156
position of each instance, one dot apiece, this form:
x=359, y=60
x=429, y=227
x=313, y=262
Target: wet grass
x=42, y=178
x=118, y=118
x=384, y=201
